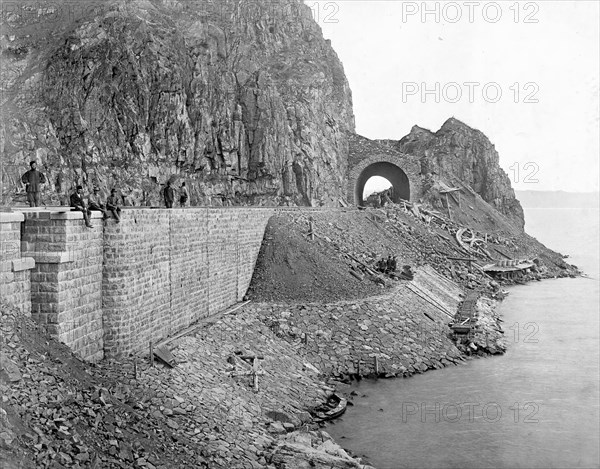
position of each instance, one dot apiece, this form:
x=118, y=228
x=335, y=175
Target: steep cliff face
x=459, y=152
x=245, y=101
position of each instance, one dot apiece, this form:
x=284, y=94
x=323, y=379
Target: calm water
x=535, y=407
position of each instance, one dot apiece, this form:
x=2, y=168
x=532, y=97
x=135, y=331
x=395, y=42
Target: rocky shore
x=58, y=411
x=205, y=412
x=320, y=316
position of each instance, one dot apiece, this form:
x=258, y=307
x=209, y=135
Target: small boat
x=333, y=408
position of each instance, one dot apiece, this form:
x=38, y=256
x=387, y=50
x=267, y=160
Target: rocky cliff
x=459, y=152
x=243, y=100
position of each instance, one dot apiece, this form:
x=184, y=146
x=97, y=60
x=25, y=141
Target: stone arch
x=403, y=174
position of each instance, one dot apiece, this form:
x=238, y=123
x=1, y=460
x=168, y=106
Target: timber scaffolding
x=464, y=319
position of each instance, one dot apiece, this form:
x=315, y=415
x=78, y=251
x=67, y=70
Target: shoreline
x=373, y=386
x=207, y=402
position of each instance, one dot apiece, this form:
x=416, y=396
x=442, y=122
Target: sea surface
x=537, y=406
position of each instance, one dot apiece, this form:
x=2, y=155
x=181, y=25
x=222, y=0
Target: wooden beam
x=429, y=300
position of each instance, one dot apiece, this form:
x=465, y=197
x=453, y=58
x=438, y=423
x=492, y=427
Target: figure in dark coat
x=32, y=180
x=169, y=194
x=388, y=265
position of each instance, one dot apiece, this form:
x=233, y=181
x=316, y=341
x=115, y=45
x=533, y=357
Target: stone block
x=25, y=263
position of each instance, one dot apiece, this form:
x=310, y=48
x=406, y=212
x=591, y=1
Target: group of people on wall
x=34, y=179
x=169, y=195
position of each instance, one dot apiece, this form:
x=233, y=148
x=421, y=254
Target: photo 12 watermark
x=488, y=412
x=526, y=333
x=528, y=171
x=470, y=91
x=324, y=12
x=470, y=12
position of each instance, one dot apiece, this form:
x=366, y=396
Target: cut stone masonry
x=109, y=290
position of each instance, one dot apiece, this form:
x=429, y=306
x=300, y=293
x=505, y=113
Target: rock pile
x=397, y=334
x=57, y=411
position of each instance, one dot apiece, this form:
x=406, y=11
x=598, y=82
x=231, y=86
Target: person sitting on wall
x=96, y=204
x=112, y=204
x=184, y=195
x=78, y=202
x=32, y=180
x=169, y=195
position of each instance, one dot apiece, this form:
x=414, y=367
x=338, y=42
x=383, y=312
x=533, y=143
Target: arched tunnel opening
x=389, y=171
x=374, y=185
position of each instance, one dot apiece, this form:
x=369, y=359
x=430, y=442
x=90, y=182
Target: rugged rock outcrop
x=243, y=100
x=459, y=152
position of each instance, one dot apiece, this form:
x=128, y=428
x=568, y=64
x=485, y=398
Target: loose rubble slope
x=295, y=267
x=57, y=411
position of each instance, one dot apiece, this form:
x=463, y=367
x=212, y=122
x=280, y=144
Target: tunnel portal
x=394, y=174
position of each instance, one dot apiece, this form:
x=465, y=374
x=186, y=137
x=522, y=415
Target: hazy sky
x=524, y=73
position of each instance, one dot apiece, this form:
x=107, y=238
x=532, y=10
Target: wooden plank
x=449, y=283
x=450, y=190
x=201, y=323
x=500, y=252
x=428, y=300
x=444, y=237
x=165, y=355
x=369, y=270
x=428, y=316
x=431, y=299
x=356, y=275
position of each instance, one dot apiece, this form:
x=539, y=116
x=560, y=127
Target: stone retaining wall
x=15, y=284
x=66, y=293
x=111, y=289
x=165, y=269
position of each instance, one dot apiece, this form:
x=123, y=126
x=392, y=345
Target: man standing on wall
x=78, y=203
x=32, y=180
x=169, y=195
x=184, y=195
